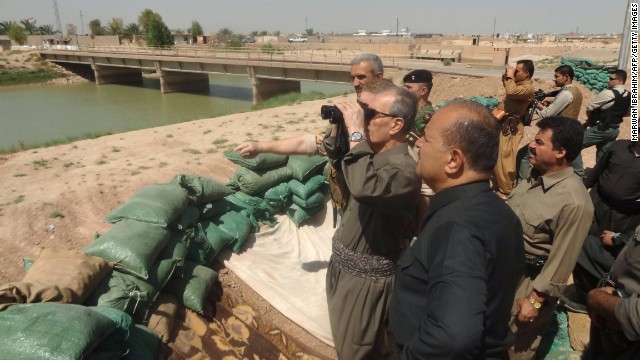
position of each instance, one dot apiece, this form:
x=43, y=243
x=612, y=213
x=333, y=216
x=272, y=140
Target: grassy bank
x=22, y=76
x=21, y=146
x=289, y=99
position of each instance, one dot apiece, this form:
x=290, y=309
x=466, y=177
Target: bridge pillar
x=174, y=81
x=264, y=88
x=116, y=75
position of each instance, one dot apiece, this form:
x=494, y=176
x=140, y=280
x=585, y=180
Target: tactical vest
x=612, y=117
x=573, y=109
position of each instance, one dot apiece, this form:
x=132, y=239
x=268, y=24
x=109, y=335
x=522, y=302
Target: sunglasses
x=612, y=78
x=369, y=113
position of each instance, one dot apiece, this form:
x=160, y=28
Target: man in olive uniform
x=384, y=188
x=555, y=211
x=420, y=83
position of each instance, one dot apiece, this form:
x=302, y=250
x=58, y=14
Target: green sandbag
x=189, y=216
x=156, y=204
x=213, y=209
x=236, y=224
x=263, y=161
x=255, y=206
x=201, y=189
x=299, y=215
x=317, y=199
x=143, y=344
x=252, y=183
x=303, y=167
x=277, y=198
x=132, y=245
x=51, y=331
x=307, y=189
x=193, y=288
x=207, y=242
x=176, y=248
x=116, y=341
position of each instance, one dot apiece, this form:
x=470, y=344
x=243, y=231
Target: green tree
x=309, y=32
x=29, y=26
x=234, y=44
x=17, y=34
x=225, y=32
x=132, y=29
x=158, y=33
x=5, y=26
x=196, y=29
x=145, y=18
x=254, y=33
x=96, y=27
x=263, y=33
x=276, y=33
x=46, y=29
x=115, y=26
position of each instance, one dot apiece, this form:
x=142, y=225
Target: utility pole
x=623, y=54
x=82, y=23
x=397, y=26
x=306, y=25
x=493, y=34
x=57, y=16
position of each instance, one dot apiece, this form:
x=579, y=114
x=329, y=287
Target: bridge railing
x=335, y=57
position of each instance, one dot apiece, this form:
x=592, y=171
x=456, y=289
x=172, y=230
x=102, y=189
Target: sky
x=448, y=17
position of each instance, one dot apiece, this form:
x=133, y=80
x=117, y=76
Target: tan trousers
x=528, y=334
x=505, y=170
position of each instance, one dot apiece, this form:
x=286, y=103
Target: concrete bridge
x=183, y=69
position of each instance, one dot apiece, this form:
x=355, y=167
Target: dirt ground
x=57, y=197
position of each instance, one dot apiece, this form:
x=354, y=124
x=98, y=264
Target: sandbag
x=307, y=189
x=255, y=206
x=299, y=215
x=252, y=183
x=64, y=276
x=277, y=197
x=262, y=161
x=201, y=189
x=115, y=343
x=189, y=216
x=51, y=331
x=236, y=224
x=317, y=199
x=162, y=316
x=132, y=245
x=207, y=242
x=157, y=204
x=303, y=167
x=143, y=344
x=193, y=288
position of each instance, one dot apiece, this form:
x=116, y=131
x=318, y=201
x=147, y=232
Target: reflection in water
x=37, y=114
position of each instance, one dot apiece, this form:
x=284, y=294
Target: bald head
x=471, y=128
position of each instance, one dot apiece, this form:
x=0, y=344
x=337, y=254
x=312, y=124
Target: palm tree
x=46, y=30
x=114, y=27
x=29, y=26
x=5, y=26
x=225, y=32
x=132, y=29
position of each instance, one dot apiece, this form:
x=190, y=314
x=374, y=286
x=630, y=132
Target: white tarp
x=288, y=266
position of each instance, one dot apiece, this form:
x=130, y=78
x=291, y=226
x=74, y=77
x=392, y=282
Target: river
x=37, y=114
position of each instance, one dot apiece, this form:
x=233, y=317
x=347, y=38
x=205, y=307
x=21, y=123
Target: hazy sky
x=340, y=16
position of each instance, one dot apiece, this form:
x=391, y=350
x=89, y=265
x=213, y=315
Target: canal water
x=37, y=114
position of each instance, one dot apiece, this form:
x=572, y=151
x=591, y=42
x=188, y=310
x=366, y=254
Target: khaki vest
x=573, y=109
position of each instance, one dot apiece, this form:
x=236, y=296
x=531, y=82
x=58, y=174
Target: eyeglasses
x=612, y=78
x=370, y=114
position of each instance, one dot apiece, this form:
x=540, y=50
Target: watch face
x=356, y=136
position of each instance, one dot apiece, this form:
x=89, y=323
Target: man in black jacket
x=456, y=282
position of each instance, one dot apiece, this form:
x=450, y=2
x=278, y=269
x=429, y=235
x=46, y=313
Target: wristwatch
x=356, y=136
x=536, y=305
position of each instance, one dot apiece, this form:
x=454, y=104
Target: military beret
x=418, y=76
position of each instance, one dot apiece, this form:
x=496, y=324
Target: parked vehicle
x=298, y=39
x=249, y=40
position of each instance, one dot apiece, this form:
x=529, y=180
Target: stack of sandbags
x=487, y=102
x=594, y=77
x=308, y=198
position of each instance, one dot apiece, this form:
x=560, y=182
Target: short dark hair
x=565, y=70
x=621, y=74
x=527, y=65
x=474, y=131
x=404, y=105
x=566, y=134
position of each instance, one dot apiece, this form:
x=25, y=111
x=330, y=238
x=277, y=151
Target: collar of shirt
x=447, y=196
x=620, y=88
x=548, y=181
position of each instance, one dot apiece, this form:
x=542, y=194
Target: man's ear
x=396, y=125
x=455, y=162
x=561, y=153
